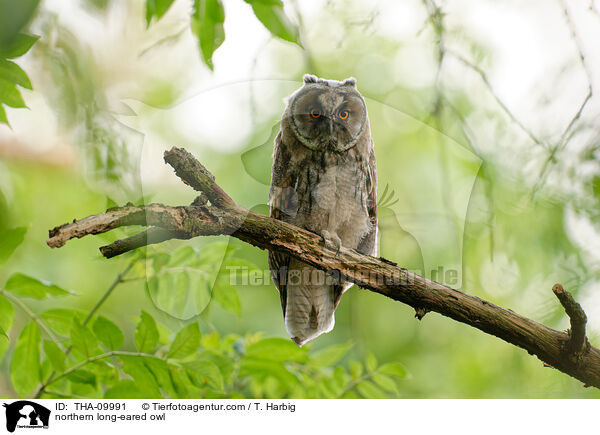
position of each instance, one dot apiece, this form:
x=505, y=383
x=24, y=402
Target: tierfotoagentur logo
x=24, y=414
x=246, y=276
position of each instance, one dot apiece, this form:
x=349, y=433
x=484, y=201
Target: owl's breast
x=334, y=199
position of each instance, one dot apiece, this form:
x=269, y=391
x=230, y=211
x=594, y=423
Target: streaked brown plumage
x=324, y=179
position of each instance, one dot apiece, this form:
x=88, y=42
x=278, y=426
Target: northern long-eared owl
x=324, y=179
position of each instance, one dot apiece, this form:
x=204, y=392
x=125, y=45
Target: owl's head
x=327, y=114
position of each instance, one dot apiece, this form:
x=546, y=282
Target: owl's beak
x=330, y=125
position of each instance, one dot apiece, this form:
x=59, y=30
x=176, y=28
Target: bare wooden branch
x=151, y=236
x=193, y=173
x=374, y=274
x=577, y=343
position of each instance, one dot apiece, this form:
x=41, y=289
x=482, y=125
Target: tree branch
x=577, y=342
x=224, y=216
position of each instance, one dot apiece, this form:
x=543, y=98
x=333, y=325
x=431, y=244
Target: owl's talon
x=331, y=241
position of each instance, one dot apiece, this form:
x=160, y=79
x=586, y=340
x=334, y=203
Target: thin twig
x=306, y=52
x=491, y=90
x=593, y=9
x=118, y=280
x=33, y=316
x=90, y=360
x=562, y=142
x=436, y=19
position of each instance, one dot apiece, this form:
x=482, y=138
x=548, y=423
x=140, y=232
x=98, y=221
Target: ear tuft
x=350, y=81
x=309, y=78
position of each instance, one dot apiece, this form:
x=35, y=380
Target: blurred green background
x=486, y=147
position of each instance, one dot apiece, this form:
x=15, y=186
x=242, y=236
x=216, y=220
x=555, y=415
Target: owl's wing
x=283, y=202
x=368, y=244
x=278, y=262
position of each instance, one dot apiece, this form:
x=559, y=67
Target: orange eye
x=315, y=113
x=343, y=114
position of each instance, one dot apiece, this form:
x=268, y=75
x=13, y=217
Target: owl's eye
x=315, y=113
x=344, y=114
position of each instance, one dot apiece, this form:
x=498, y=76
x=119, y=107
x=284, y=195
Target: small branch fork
x=577, y=343
x=213, y=212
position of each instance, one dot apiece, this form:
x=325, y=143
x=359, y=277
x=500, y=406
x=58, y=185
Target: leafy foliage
x=207, y=24
x=11, y=238
x=193, y=366
x=184, y=283
x=25, y=367
x=7, y=314
x=156, y=9
x=108, y=333
x=146, y=334
x=13, y=44
x=208, y=18
x=270, y=13
x=89, y=362
x=27, y=286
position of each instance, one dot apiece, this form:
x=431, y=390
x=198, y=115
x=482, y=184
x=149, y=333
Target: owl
x=323, y=179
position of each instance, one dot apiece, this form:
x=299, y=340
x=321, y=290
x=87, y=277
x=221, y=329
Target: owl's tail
x=310, y=303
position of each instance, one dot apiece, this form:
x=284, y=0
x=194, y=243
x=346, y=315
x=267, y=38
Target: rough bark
x=215, y=213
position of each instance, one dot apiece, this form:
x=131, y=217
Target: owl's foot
x=331, y=241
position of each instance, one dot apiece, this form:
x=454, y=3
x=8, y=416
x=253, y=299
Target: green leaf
x=10, y=96
x=356, y=369
x=83, y=340
x=55, y=355
x=227, y=296
x=60, y=320
x=150, y=375
x=262, y=369
x=14, y=16
x=208, y=17
x=186, y=342
x=12, y=73
x=3, y=118
x=371, y=362
x=385, y=382
x=4, y=342
x=146, y=334
x=270, y=13
x=156, y=8
x=105, y=371
x=82, y=377
x=25, y=364
x=108, y=333
x=393, y=369
x=27, y=286
x=7, y=314
x=18, y=46
x=9, y=239
x=181, y=382
x=330, y=355
x=124, y=390
x=182, y=256
x=369, y=391
x=182, y=294
x=205, y=373
x=276, y=349
x=145, y=381
x=99, y=5
x=160, y=370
